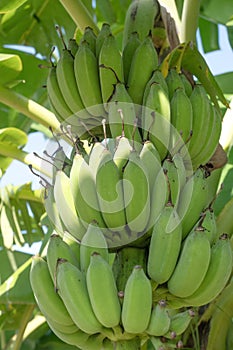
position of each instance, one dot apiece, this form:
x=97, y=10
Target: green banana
x=121, y=107
x=181, y=119
x=61, y=327
x=102, y=291
x=110, y=195
x=128, y=52
x=192, y=265
x=57, y=249
x=187, y=85
x=193, y=199
x=46, y=297
x=67, y=84
x=90, y=38
x=151, y=159
x=179, y=323
x=73, y=46
x=71, y=286
x=55, y=95
x=174, y=82
x=135, y=313
x=94, y=342
x=95, y=156
x=110, y=67
x=136, y=193
x=102, y=35
x=156, y=119
x=156, y=78
x=140, y=18
x=212, y=139
x=52, y=210
x=121, y=155
x=201, y=118
x=217, y=275
x=165, y=245
x=87, y=77
x=73, y=244
x=208, y=225
x=92, y=241
x=65, y=205
x=159, y=321
x=83, y=189
x=144, y=62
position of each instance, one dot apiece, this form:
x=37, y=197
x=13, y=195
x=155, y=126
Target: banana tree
x=34, y=36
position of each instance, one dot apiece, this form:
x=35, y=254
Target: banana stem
x=80, y=14
x=133, y=344
x=189, y=20
x=29, y=108
x=10, y=151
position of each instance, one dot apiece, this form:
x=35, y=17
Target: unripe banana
x=135, y=313
x=192, y=265
x=121, y=155
x=55, y=95
x=61, y=327
x=73, y=46
x=174, y=82
x=102, y=291
x=65, y=204
x=187, y=85
x=46, y=297
x=159, y=321
x=182, y=119
x=67, y=84
x=110, y=67
x=151, y=159
x=193, y=199
x=121, y=106
x=136, y=193
x=104, y=32
x=90, y=37
x=140, y=18
x=110, y=192
x=179, y=323
x=208, y=225
x=83, y=189
x=71, y=286
x=217, y=275
x=52, y=210
x=144, y=62
x=156, y=78
x=156, y=119
x=92, y=241
x=73, y=244
x=128, y=52
x=87, y=78
x=164, y=245
x=57, y=249
x=95, y=156
x=94, y=342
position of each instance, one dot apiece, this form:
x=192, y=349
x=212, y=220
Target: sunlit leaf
x=209, y=35
x=6, y=5
x=10, y=67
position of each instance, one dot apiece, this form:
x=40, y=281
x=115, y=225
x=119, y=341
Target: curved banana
x=71, y=286
x=57, y=249
x=181, y=119
x=208, y=225
x=135, y=313
x=55, y=95
x=179, y=323
x=95, y=156
x=160, y=320
x=174, y=82
x=156, y=119
x=110, y=195
x=140, y=18
x=156, y=78
x=46, y=297
x=121, y=155
x=192, y=265
x=92, y=241
x=144, y=62
x=136, y=193
x=102, y=291
x=104, y=32
x=217, y=275
x=61, y=327
x=165, y=245
x=187, y=85
x=90, y=38
x=193, y=199
x=83, y=189
x=110, y=67
x=73, y=46
x=67, y=84
x=87, y=77
x=128, y=52
x=65, y=205
x=52, y=210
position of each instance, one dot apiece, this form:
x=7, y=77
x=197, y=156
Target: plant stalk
x=29, y=108
x=189, y=20
x=133, y=344
x=26, y=317
x=80, y=14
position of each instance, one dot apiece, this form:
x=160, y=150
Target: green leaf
x=17, y=289
x=7, y=5
x=209, y=35
x=221, y=12
x=225, y=82
x=10, y=67
x=230, y=35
